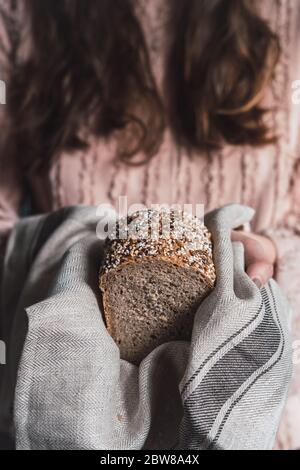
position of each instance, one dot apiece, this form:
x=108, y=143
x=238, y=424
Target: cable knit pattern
x=267, y=178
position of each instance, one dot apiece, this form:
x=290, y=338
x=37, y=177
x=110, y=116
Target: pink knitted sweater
x=267, y=179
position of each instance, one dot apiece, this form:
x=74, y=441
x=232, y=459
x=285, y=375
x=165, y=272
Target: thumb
x=259, y=256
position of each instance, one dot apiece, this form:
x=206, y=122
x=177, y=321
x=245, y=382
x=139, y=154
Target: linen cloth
x=225, y=389
x=266, y=178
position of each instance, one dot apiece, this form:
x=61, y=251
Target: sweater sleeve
x=10, y=179
x=287, y=240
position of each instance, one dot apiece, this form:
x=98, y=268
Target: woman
x=178, y=101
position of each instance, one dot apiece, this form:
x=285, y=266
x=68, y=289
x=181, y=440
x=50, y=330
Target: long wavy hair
x=89, y=74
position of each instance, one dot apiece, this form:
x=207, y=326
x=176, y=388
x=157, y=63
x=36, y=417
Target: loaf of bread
x=157, y=268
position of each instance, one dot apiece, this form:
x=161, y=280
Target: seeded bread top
x=173, y=235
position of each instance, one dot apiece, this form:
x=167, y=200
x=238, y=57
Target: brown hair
x=89, y=73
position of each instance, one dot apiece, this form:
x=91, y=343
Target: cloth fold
x=225, y=389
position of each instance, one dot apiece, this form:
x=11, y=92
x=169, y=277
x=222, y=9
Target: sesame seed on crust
x=173, y=235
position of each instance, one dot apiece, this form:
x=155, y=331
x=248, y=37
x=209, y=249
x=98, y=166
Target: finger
x=260, y=272
x=256, y=248
x=260, y=267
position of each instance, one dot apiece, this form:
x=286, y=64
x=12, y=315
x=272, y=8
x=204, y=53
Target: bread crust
x=193, y=249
